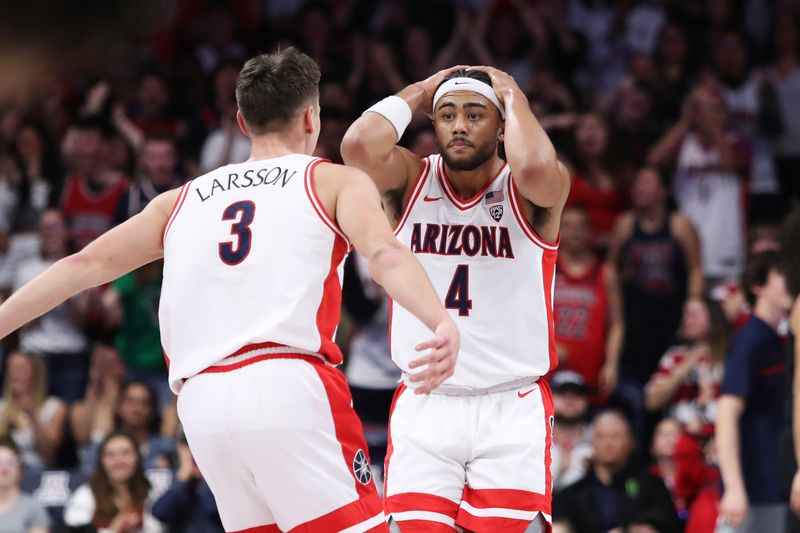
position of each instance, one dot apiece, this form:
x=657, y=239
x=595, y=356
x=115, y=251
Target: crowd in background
x=678, y=119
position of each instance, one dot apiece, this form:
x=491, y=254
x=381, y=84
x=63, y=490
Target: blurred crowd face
x=591, y=136
x=10, y=468
x=505, y=34
x=29, y=143
x=785, y=34
x=87, y=152
x=153, y=96
x=647, y=190
x=333, y=95
x=696, y=320
x=119, y=459
x=719, y=12
x=136, y=407
x=634, y=106
x=467, y=134
x=665, y=438
x=106, y=363
x=730, y=57
x=775, y=291
x=417, y=47
x=314, y=28
x=19, y=374
x=575, y=230
x=225, y=85
x=570, y=406
x=611, y=441
x=53, y=233
x=158, y=160
x=672, y=46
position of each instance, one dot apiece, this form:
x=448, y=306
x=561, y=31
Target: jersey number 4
x=242, y=213
x=458, y=293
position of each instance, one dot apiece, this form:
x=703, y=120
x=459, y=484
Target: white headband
x=472, y=85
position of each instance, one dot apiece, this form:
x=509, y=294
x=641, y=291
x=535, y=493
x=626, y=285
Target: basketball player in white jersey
x=249, y=305
x=475, y=454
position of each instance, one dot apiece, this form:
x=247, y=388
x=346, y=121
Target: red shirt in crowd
x=602, y=206
x=580, y=305
x=90, y=214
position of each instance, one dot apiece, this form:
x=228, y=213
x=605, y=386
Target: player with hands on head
x=250, y=304
x=482, y=216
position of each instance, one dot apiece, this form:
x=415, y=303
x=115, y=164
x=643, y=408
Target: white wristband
x=395, y=110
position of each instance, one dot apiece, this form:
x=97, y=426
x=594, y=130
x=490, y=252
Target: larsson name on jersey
x=457, y=239
x=275, y=176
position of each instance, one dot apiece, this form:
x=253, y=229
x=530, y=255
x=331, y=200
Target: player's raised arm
x=392, y=265
x=130, y=245
x=370, y=142
x=540, y=177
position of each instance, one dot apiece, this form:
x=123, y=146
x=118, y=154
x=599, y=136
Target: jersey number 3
x=242, y=214
x=458, y=293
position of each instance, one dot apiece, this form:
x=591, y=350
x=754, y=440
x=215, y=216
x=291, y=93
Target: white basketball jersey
x=495, y=275
x=251, y=261
x=711, y=196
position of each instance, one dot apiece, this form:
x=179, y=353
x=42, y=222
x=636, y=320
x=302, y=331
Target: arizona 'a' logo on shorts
x=361, y=468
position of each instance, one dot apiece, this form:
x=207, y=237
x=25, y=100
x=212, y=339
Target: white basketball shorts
x=278, y=442
x=481, y=463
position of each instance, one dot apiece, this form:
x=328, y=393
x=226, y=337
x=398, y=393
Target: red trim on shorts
x=175, y=208
x=526, y=227
x=463, y=205
x=418, y=182
x=514, y=499
x=389, y=448
x=271, y=528
x=511, y=499
x=350, y=515
x=549, y=419
x=549, y=258
x=420, y=501
x=349, y=432
x=166, y=357
x=331, y=304
x=257, y=358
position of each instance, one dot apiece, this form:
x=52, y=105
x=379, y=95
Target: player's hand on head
x=440, y=361
x=430, y=84
x=502, y=82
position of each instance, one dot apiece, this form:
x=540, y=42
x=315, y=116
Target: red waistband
x=253, y=353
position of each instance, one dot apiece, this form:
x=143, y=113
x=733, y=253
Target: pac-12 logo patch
x=361, y=468
x=497, y=212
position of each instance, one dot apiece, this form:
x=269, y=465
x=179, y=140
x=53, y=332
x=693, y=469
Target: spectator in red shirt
x=596, y=185
x=588, y=308
x=92, y=190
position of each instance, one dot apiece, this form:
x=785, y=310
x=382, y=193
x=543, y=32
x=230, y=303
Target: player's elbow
x=83, y=265
x=384, y=258
x=546, y=186
x=354, y=149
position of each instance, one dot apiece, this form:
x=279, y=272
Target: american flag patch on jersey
x=494, y=197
